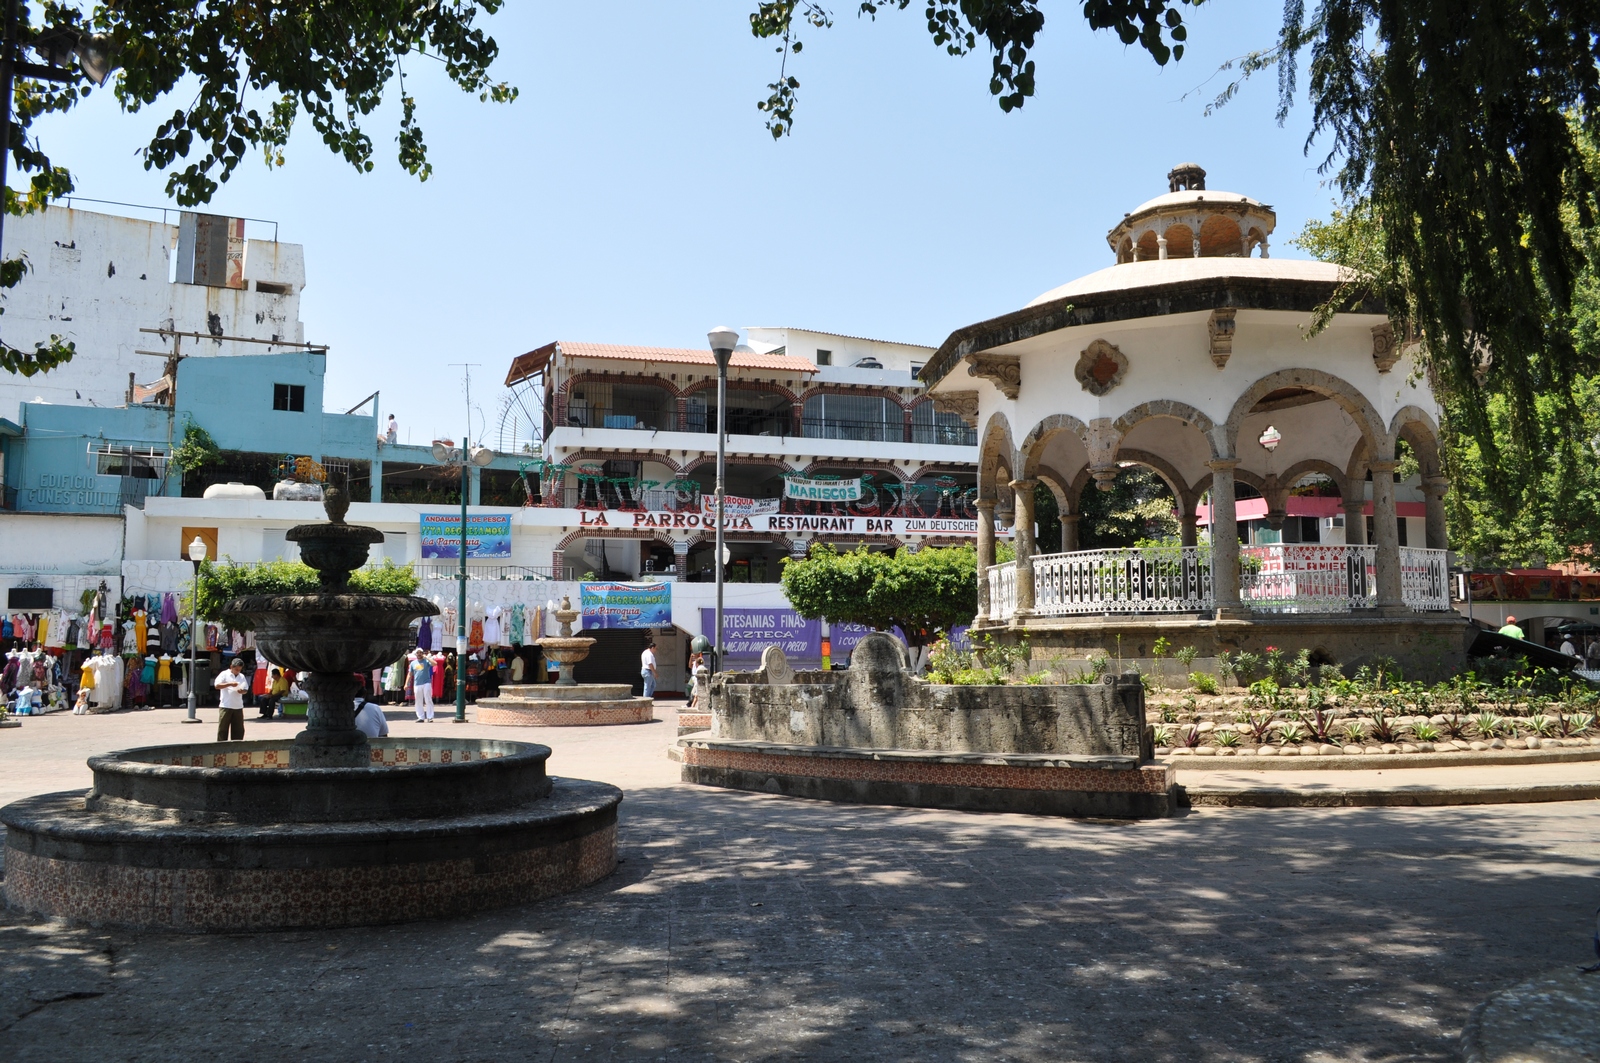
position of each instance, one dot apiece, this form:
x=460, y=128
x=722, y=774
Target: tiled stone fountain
x=329, y=830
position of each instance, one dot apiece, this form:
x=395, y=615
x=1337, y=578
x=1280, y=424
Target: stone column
x=1355, y=521
x=1390, y=598
x=680, y=559
x=1188, y=532
x=1434, y=488
x=1161, y=247
x=1224, y=540
x=1069, y=532
x=1022, y=492
x=985, y=553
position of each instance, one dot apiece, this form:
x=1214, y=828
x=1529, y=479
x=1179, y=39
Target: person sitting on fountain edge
x=370, y=719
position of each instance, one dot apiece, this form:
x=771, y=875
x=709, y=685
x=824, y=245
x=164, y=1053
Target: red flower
x=1272, y=649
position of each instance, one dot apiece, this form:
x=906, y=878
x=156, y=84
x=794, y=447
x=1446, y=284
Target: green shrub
x=1204, y=682
x=220, y=581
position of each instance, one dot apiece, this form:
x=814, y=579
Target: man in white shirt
x=391, y=434
x=1568, y=648
x=647, y=668
x=232, y=685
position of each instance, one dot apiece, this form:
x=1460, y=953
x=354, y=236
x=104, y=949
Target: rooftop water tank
x=234, y=490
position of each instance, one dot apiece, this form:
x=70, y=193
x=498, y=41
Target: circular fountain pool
x=228, y=836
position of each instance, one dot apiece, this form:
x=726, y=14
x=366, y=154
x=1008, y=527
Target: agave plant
x=1542, y=725
x=1383, y=729
x=1228, y=739
x=1260, y=725
x=1163, y=736
x=1581, y=723
x=1291, y=734
x=1426, y=732
x=1489, y=725
x=1355, y=733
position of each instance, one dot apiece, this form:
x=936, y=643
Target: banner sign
x=625, y=605
x=748, y=632
x=845, y=637
x=488, y=535
x=1534, y=584
x=775, y=522
x=734, y=506
x=822, y=490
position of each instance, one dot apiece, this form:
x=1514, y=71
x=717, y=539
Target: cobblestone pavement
x=750, y=927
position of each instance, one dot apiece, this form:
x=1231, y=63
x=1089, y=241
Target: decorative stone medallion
x=1101, y=367
x=1220, y=327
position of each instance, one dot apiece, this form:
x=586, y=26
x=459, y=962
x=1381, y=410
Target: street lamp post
x=197, y=555
x=723, y=341
x=464, y=457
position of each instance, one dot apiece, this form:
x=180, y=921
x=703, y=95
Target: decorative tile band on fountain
x=876, y=734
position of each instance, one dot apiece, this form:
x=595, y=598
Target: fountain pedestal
x=566, y=702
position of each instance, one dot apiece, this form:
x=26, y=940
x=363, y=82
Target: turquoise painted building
x=260, y=411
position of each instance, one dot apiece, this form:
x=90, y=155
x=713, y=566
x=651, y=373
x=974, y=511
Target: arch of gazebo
x=1335, y=431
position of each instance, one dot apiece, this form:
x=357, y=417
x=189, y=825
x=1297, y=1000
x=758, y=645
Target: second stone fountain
x=566, y=702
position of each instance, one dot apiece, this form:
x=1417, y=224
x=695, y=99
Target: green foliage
x=1186, y=656
x=1227, y=739
x=1163, y=736
x=1292, y=733
x=925, y=593
x=1355, y=733
x=1426, y=732
x=1138, y=509
x=197, y=449
x=220, y=581
x=1489, y=725
x=1204, y=682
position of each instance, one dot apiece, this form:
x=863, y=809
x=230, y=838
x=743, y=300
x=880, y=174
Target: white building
x=97, y=279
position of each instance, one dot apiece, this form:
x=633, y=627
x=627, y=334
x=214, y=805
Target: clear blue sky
x=632, y=194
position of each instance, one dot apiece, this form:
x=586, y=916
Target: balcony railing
x=1425, y=579
x=450, y=570
x=1273, y=579
x=944, y=435
x=879, y=499
x=1308, y=579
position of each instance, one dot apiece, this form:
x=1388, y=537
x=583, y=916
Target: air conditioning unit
x=1333, y=522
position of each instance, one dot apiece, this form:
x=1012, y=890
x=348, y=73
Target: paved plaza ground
x=750, y=927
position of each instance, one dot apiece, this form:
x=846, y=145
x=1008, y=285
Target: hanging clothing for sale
x=164, y=669
x=169, y=608
x=425, y=634
x=518, y=620
x=147, y=674
x=475, y=635
x=491, y=626
x=438, y=660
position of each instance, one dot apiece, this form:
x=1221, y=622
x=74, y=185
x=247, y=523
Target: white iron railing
x=1425, y=579
x=1003, y=591
x=1284, y=578
x=1308, y=578
x=1138, y=580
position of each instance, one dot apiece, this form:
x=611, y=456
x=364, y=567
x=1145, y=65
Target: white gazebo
x=1194, y=356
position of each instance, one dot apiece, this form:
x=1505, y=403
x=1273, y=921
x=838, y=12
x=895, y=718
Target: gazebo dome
x=1190, y=221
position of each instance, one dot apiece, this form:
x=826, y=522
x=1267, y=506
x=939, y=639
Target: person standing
x=391, y=434
x=232, y=685
x=422, y=685
x=647, y=668
x=1511, y=630
x=1567, y=647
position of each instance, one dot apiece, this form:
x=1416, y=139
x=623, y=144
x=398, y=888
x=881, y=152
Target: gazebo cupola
x=1191, y=222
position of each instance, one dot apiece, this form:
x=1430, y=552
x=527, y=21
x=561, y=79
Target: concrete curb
x=1386, y=761
x=1373, y=797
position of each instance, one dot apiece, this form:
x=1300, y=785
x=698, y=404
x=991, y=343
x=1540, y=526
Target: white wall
x=68, y=553
x=97, y=279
